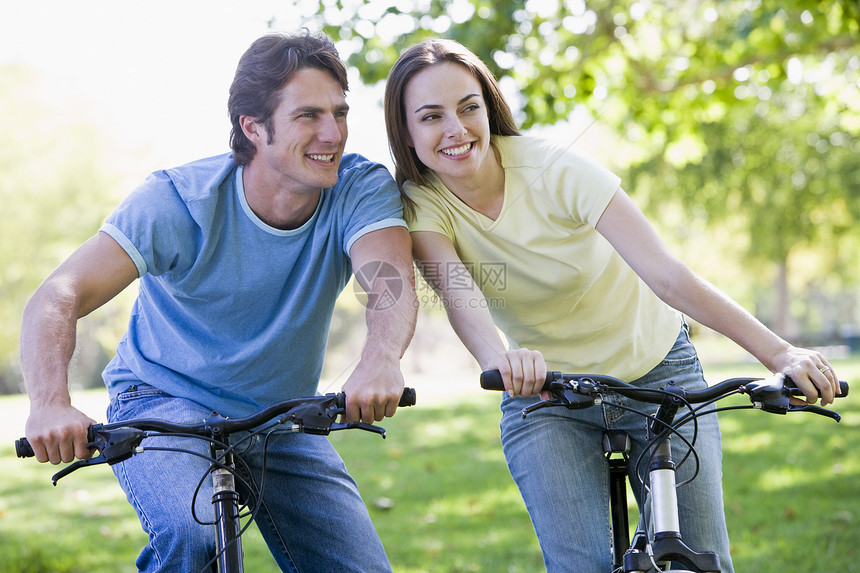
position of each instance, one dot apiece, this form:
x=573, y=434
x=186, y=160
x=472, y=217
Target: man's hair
x=428, y=53
x=266, y=67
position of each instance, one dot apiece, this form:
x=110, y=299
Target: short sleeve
x=584, y=186
x=154, y=227
x=430, y=212
x=371, y=200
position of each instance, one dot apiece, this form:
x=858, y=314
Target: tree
x=746, y=110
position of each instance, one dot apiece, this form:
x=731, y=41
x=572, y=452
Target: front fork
x=225, y=501
x=667, y=545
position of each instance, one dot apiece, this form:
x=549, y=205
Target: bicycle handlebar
x=769, y=394
x=312, y=415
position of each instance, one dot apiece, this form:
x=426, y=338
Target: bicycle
x=119, y=441
x=650, y=552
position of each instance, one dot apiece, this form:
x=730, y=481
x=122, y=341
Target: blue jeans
x=312, y=516
x=555, y=455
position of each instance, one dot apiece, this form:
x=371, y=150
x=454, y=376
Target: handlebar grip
x=795, y=391
x=407, y=398
x=492, y=380
x=23, y=449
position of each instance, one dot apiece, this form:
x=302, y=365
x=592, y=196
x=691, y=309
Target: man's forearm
x=391, y=319
x=48, y=333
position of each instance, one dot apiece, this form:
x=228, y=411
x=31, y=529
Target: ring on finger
x=824, y=369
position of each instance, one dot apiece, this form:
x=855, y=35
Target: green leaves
x=748, y=111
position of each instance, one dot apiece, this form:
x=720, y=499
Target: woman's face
x=446, y=117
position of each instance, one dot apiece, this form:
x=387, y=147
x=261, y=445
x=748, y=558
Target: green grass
x=443, y=501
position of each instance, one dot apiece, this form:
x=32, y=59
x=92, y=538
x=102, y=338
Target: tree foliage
x=742, y=109
x=54, y=194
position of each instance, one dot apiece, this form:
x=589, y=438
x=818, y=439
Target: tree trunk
x=781, y=319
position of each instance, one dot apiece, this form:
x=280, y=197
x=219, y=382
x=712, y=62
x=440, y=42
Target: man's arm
x=382, y=262
x=94, y=274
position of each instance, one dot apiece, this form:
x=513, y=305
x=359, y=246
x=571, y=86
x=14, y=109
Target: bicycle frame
x=644, y=555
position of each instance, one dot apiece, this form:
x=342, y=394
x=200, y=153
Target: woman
x=577, y=280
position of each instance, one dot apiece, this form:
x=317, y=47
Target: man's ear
x=253, y=129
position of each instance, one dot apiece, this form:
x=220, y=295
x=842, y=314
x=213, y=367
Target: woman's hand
x=811, y=373
x=523, y=371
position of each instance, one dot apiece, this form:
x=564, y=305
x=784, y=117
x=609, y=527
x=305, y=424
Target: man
x=240, y=259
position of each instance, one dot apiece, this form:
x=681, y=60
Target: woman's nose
x=455, y=128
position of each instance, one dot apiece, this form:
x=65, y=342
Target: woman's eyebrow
x=438, y=106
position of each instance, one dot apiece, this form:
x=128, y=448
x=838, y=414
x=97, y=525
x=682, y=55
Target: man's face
x=308, y=133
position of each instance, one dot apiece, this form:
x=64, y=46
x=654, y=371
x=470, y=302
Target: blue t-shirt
x=233, y=313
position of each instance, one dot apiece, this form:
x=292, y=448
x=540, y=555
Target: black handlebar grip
x=795, y=391
x=408, y=397
x=492, y=380
x=23, y=448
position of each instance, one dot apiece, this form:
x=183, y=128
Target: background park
x=734, y=124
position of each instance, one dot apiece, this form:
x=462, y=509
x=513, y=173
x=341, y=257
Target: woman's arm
x=635, y=239
x=523, y=370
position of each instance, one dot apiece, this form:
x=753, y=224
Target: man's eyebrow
x=437, y=106
x=317, y=109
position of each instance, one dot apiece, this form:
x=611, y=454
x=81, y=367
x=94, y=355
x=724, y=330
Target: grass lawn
x=443, y=501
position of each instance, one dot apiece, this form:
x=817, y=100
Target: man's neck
x=276, y=204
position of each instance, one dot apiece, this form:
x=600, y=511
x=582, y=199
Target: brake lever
x=569, y=397
x=113, y=446
x=815, y=410
x=542, y=404
x=771, y=395
x=100, y=459
x=359, y=426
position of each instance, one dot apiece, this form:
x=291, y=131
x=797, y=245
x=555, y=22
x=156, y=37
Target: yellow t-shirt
x=551, y=281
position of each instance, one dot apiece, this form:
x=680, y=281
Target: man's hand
x=373, y=390
x=58, y=434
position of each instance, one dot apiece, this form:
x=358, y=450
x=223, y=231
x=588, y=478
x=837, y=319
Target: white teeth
x=321, y=157
x=458, y=150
